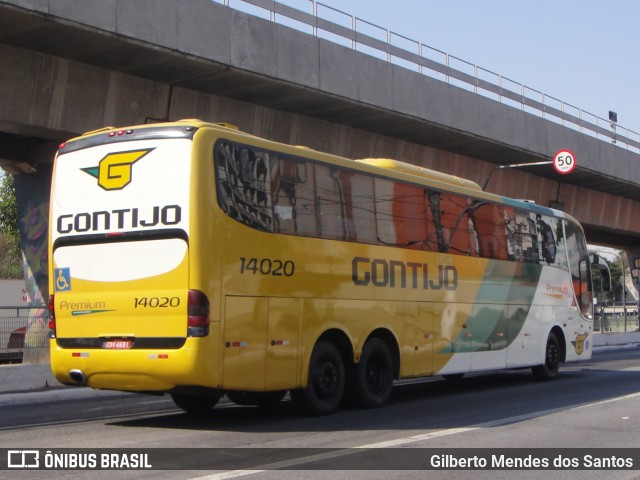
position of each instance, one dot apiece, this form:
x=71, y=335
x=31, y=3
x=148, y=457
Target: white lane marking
x=403, y=441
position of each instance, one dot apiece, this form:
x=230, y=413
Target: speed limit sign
x=564, y=161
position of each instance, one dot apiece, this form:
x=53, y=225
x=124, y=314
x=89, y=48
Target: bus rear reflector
x=52, y=317
x=198, y=311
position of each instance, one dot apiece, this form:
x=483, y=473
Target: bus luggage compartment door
x=260, y=343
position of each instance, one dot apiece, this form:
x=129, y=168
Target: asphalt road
x=594, y=405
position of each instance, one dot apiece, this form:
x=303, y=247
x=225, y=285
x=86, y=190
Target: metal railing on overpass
x=326, y=22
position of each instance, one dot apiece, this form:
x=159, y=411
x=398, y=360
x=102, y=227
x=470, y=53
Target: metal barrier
x=20, y=328
x=339, y=27
x=616, y=323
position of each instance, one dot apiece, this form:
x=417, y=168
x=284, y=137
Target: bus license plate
x=117, y=343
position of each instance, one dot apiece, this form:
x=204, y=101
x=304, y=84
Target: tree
x=10, y=256
x=616, y=279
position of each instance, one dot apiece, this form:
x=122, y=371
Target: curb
x=58, y=394
x=615, y=346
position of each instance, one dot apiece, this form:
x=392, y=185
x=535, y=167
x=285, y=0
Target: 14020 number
x=156, y=302
x=267, y=266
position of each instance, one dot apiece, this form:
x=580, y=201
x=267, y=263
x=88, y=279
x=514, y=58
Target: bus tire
x=325, y=384
x=258, y=399
x=549, y=369
x=196, y=404
x=372, y=377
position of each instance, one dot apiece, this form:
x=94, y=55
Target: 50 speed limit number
x=564, y=161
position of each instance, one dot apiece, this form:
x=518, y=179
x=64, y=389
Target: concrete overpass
x=71, y=66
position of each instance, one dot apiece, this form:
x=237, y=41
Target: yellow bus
x=195, y=259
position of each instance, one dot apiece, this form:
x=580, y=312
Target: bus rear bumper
x=135, y=370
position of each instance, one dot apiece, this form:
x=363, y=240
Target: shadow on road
x=432, y=404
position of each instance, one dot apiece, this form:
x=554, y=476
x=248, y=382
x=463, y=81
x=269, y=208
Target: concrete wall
x=44, y=93
x=12, y=293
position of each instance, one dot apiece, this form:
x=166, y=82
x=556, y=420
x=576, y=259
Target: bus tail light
x=198, y=311
x=52, y=317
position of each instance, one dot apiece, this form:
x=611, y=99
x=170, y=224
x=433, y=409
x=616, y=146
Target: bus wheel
x=259, y=399
x=196, y=404
x=373, y=375
x=325, y=385
x=549, y=369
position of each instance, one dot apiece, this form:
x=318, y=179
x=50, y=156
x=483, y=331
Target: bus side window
x=552, y=242
x=489, y=222
x=455, y=224
x=403, y=216
x=412, y=217
x=546, y=240
x=560, y=260
x=330, y=204
x=293, y=193
x=521, y=235
x=241, y=193
x=226, y=176
x=360, y=211
x=385, y=225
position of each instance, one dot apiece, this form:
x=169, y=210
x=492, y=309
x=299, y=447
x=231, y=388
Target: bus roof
x=420, y=171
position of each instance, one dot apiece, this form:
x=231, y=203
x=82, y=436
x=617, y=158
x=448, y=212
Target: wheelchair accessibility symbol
x=62, y=279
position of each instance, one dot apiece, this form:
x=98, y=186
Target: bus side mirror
x=602, y=267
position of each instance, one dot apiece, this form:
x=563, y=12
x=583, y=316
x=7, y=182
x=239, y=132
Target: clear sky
x=583, y=52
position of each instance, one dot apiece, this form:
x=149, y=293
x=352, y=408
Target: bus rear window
x=121, y=261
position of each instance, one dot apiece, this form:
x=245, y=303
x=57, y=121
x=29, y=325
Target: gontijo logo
x=114, y=170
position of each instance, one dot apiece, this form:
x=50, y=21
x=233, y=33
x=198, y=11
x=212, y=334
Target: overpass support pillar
x=32, y=198
x=633, y=256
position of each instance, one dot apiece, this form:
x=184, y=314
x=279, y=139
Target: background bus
x=194, y=259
